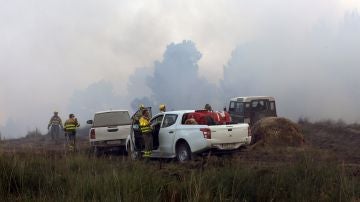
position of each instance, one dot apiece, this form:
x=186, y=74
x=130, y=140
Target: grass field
x=316, y=172
x=79, y=177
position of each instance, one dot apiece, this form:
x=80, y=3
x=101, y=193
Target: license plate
x=228, y=146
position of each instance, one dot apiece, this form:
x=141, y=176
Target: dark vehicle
x=251, y=109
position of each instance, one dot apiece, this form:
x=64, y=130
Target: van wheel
x=183, y=152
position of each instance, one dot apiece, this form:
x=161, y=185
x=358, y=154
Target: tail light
x=92, y=134
x=249, y=131
x=206, y=132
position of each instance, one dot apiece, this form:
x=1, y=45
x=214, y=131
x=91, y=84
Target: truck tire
x=183, y=152
x=96, y=151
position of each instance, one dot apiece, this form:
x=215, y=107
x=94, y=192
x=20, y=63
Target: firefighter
x=208, y=107
x=70, y=131
x=141, y=107
x=162, y=108
x=138, y=115
x=146, y=131
x=54, y=125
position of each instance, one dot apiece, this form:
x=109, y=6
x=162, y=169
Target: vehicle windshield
x=237, y=107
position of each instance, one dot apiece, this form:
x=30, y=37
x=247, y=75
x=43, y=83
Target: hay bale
x=276, y=131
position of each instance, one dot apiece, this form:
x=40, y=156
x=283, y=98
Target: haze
x=84, y=56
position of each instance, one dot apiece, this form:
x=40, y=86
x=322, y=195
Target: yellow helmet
x=162, y=107
x=141, y=107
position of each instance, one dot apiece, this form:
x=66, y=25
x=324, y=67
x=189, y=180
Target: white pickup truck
x=173, y=138
x=109, y=130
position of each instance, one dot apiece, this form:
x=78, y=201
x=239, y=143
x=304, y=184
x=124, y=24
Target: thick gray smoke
x=303, y=52
x=316, y=76
x=176, y=80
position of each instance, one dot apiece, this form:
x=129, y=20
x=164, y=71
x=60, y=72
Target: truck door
x=167, y=134
x=156, y=124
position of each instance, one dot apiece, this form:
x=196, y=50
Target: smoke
x=314, y=76
x=176, y=81
x=305, y=53
x=98, y=96
x=12, y=129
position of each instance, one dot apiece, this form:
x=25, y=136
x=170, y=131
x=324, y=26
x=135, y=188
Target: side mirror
x=89, y=122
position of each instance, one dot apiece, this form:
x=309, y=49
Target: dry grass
x=326, y=168
x=78, y=177
x=276, y=132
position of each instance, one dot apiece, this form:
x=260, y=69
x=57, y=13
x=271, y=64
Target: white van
x=109, y=130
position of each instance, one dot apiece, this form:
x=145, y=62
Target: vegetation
x=33, y=134
x=326, y=168
x=78, y=177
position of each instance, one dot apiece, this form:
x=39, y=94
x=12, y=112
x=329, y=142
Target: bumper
x=109, y=143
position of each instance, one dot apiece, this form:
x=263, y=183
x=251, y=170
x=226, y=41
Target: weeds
x=78, y=177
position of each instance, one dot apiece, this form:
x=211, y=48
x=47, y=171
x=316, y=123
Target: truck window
x=169, y=120
x=116, y=118
x=157, y=120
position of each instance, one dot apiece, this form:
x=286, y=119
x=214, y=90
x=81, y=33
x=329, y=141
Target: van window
x=236, y=107
x=117, y=118
x=232, y=106
x=169, y=120
x=258, y=105
x=272, y=106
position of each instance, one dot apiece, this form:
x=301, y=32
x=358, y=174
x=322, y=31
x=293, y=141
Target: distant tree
x=33, y=133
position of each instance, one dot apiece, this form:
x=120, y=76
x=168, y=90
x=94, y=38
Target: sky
x=85, y=56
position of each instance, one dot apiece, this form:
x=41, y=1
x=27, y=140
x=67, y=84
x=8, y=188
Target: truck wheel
x=97, y=151
x=183, y=152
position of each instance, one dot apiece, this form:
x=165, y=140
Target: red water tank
x=204, y=117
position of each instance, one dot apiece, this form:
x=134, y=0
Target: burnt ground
x=326, y=140
x=337, y=138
